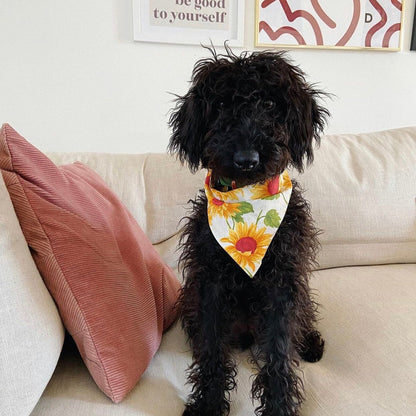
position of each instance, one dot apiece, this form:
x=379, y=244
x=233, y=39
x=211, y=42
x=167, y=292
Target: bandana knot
x=245, y=220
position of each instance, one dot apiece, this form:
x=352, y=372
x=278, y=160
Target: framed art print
x=189, y=21
x=357, y=24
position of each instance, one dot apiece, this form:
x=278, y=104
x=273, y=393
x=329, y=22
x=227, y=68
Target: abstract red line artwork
x=367, y=24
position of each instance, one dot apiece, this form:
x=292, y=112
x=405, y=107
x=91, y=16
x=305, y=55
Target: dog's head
x=247, y=117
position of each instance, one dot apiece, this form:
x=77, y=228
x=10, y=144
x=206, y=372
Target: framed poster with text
x=189, y=21
x=347, y=24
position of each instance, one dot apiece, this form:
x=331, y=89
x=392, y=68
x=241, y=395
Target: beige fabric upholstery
x=368, y=320
x=363, y=194
x=362, y=190
x=369, y=367
x=154, y=187
x=31, y=332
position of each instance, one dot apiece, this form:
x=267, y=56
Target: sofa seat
x=368, y=316
x=368, y=320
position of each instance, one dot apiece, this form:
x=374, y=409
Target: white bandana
x=245, y=220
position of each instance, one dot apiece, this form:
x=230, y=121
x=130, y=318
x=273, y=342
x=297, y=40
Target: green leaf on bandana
x=272, y=219
x=269, y=198
x=245, y=207
x=238, y=218
x=225, y=182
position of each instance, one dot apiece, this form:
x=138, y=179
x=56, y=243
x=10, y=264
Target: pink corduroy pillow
x=114, y=294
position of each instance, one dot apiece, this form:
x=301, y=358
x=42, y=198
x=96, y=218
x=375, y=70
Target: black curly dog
x=248, y=117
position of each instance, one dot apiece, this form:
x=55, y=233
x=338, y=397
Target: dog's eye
x=268, y=104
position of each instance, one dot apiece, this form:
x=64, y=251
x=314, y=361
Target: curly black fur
x=257, y=107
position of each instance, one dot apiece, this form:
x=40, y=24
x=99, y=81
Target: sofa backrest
x=362, y=190
x=154, y=187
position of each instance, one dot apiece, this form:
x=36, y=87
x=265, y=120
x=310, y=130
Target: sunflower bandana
x=245, y=220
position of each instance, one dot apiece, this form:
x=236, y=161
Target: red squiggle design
x=267, y=3
x=273, y=35
x=389, y=33
x=325, y=18
x=397, y=4
x=353, y=25
x=291, y=16
x=318, y=17
x=377, y=26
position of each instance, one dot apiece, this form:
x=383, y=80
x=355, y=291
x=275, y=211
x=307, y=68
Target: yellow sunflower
x=272, y=187
x=248, y=244
x=216, y=207
x=232, y=195
x=285, y=182
x=266, y=189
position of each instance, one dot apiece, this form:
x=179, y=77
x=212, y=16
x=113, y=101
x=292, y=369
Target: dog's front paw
x=313, y=347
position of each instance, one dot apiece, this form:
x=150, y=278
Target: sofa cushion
x=368, y=368
x=362, y=189
x=114, y=293
x=31, y=332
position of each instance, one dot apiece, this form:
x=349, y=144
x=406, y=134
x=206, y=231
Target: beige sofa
x=362, y=189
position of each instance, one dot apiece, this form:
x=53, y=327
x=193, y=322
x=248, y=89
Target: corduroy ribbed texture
x=114, y=293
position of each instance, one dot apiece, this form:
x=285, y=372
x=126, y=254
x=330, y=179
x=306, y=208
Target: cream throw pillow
x=31, y=332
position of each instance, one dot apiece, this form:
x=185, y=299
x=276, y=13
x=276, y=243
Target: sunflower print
x=272, y=188
x=217, y=207
x=245, y=220
x=285, y=182
x=233, y=195
x=248, y=245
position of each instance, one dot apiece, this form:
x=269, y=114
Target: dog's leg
x=299, y=233
x=309, y=342
x=205, y=318
x=277, y=386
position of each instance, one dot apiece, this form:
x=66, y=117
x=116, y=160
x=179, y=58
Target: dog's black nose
x=246, y=159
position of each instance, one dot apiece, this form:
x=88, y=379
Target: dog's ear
x=188, y=129
x=305, y=121
x=188, y=120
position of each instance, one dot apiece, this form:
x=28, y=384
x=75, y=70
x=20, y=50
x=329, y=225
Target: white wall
x=71, y=78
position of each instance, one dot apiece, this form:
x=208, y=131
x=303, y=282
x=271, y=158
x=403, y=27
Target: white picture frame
x=192, y=22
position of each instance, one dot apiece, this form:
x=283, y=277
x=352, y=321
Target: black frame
x=413, y=43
